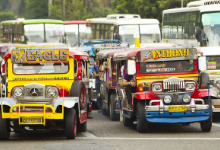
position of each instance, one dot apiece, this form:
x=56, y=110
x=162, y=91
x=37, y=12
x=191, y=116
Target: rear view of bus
x=124, y=27
x=198, y=24
x=32, y=31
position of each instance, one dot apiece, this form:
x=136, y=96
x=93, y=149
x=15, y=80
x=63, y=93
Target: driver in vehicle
x=130, y=87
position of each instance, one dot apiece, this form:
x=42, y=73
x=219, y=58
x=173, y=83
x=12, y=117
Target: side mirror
x=202, y=63
x=131, y=67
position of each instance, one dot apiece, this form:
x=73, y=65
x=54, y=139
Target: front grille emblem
x=34, y=92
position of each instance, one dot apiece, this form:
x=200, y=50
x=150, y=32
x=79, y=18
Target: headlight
x=18, y=92
x=157, y=87
x=167, y=99
x=190, y=86
x=51, y=92
x=186, y=98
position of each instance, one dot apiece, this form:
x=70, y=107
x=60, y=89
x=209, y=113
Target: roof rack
x=123, y=16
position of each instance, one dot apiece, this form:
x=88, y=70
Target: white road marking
x=121, y=138
x=215, y=124
x=89, y=135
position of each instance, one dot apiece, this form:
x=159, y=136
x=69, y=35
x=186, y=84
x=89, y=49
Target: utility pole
x=64, y=2
x=50, y=2
x=182, y=3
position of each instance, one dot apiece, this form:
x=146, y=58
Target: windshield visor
x=40, y=68
x=211, y=29
x=166, y=66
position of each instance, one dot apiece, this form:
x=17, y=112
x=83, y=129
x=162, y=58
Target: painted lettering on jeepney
x=27, y=56
x=157, y=54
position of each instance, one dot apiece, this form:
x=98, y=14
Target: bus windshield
x=41, y=68
x=75, y=34
x=35, y=33
x=146, y=33
x=211, y=29
x=213, y=63
x=166, y=66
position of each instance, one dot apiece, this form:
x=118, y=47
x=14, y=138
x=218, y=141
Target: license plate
x=177, y=108
x=31, y=120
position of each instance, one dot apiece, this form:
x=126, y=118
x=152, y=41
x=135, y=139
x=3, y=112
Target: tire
x=4, y=128
x=78, y=90
x=142, y=123
x=113, y=115
x=70, y=123
x=203, y=79
x=16, y=127
x=206, y=125
x=104, y=111
x=127, y=122
x=82, y=127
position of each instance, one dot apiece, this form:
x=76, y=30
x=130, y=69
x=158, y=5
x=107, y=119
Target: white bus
x=198, y=24
x=124, y=27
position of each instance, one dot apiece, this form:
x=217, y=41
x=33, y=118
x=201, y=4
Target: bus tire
x=113, y=115
x=204, y=79
x=142, y=123
x=70, y=123
x=78, y=89
x=4, y=128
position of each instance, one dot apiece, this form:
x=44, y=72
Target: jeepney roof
x=155, y=45
x=97, y=41
x=106, y=53
x=55, y=45
x=75, y=22
x=209, y=51
x=78, y=54
x=133, y=51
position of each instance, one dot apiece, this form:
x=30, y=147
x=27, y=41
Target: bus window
x=54, y=33
x=34, y=32
x=149, y=33
x=128, y=33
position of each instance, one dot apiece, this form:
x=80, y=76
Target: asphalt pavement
x=104, y=134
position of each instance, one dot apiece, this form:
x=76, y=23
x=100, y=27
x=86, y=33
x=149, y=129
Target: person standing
x=96, y=70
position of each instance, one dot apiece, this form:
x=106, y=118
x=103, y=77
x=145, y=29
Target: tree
x=36, y=9
x=6, y=16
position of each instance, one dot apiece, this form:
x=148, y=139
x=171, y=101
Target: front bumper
x=160, y=113
x=18, y=111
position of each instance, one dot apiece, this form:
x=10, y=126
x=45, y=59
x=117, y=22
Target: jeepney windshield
x=167, y=66
x=211, y=29
x=213, y=63
x=40, y=68
x=40, y=33
x=146, y=33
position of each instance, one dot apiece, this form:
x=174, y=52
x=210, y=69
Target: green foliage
x=36, y=9
x=6, y=16
x=147, y=8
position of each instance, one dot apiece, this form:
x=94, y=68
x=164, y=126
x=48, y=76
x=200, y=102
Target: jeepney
x=43, y=93
x=209, y=61
x=167, y=89
x=108, y=87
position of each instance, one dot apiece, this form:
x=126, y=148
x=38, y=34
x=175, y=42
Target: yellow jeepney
x=42, y=93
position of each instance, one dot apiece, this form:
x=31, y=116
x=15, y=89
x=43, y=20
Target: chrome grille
x=35, y=101
x=174, y=86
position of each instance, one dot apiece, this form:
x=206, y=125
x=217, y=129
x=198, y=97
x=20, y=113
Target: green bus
x=32, y=31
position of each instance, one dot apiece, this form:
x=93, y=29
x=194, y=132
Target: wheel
x=17, y=128
x=70, y=123
x=4, y=128
x=113, y=115
x=127, y=122
x=203, y=79
x=82, y=127
x=142, y=123
x=78, y=90
x=206, y=125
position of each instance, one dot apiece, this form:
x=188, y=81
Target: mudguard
x=69, y=102
x=201, y=93
x=7, y=101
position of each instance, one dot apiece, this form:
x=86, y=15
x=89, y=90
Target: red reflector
x=3, y=68
x=7, y=56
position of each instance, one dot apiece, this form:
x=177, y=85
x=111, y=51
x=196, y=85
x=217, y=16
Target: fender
x=201, y=93
x=69, y=102
x=7, y=101
x=146, y=95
